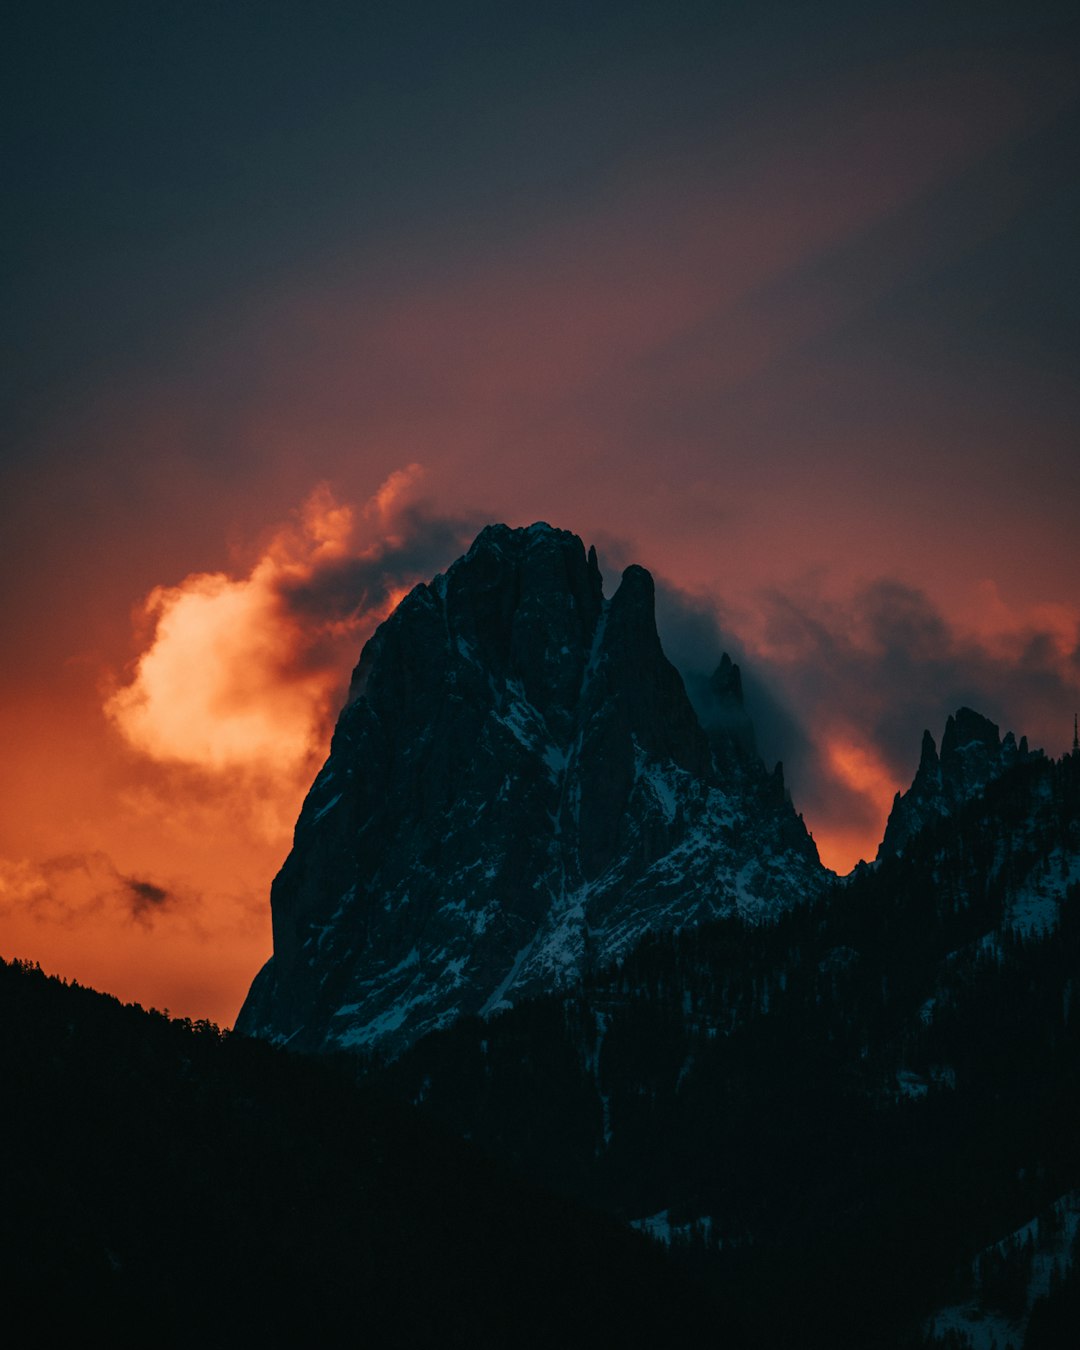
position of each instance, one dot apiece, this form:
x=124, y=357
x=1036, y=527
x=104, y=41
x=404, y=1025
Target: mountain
x=972, y=756
x=842, y=1117
x=518, y=789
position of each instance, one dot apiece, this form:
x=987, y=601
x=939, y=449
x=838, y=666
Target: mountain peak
x=518, y=787
x=725, y=682
x=972, y=755
x=501, y=538
x=967, y=729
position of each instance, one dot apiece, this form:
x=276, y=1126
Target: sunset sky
x=778, y=300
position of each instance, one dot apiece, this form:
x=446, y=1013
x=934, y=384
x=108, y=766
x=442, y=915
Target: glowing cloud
x=223, y=682
x=242, y=673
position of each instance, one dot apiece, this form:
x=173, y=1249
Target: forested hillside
x=167, y=1184
x=832, y=1114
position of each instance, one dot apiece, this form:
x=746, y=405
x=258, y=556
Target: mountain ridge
x=844, y=1114
x=973, y=754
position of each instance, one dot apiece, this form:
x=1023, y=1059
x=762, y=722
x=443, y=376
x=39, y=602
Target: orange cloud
x=862, y=769
x=238, y=677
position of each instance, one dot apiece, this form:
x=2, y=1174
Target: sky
x=780, y=301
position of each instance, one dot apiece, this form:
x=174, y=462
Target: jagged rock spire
x=517, y=786
x=972, y=754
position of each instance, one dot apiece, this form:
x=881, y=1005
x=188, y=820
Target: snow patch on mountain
x=660, y=1228
x=1036, y=906
x=1042, y=1248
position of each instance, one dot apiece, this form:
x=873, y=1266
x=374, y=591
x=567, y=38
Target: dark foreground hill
x=167, y=1184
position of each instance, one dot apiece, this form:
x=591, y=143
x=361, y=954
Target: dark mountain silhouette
x=517, y=790
x=972, y=756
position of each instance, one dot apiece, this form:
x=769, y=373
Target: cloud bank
x=841, y=689
x=244, y=673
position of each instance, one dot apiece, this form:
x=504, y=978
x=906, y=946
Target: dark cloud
x=888, y=662
x=694, y=640
x=875, y=669
x=422, y=543
x=145, y=898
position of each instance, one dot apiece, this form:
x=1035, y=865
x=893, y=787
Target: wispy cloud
x=70, y=888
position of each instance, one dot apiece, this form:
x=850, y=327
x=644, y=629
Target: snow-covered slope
x=518, y=789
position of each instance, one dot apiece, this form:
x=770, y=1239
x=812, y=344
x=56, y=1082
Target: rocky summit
x=973, y=755
x=518, y=789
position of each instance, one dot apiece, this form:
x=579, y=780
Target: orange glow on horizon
x=196, y=773
x=859, y=768
x=842, y=849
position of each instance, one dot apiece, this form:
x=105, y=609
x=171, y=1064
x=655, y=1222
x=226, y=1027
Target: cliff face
x=517, y=790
